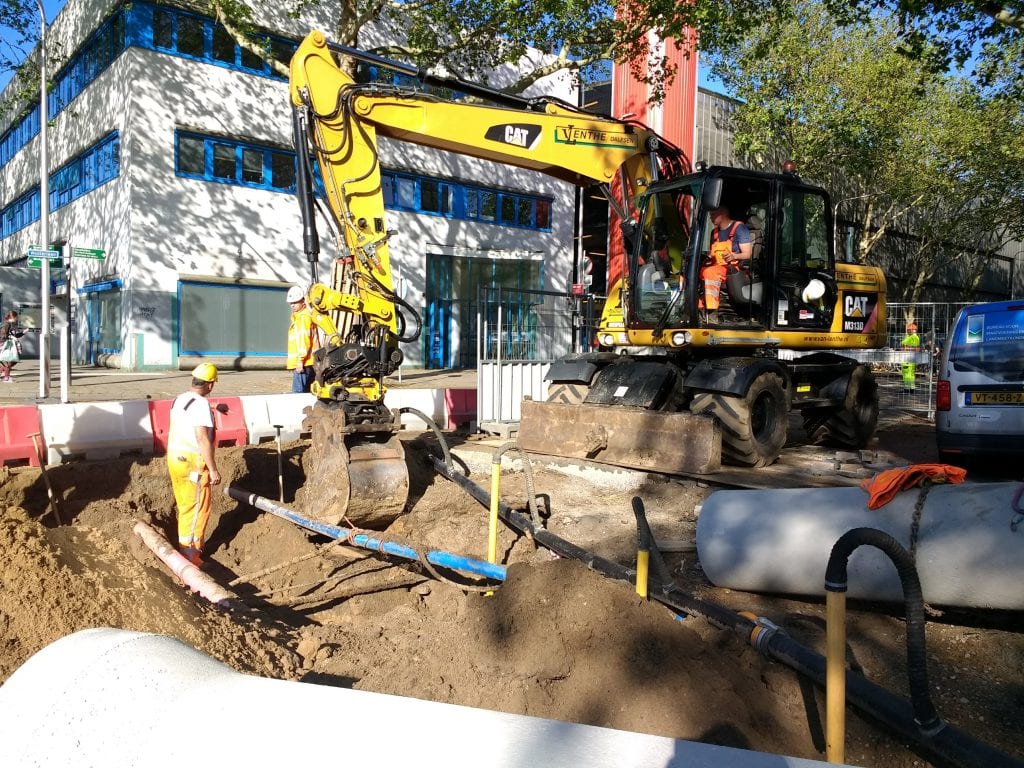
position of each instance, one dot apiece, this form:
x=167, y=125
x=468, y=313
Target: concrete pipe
x=965, y=539
x=116, y=698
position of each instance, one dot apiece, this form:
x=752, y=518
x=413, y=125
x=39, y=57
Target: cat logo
x=856, y=306
x=858, y=309
x=523, y=135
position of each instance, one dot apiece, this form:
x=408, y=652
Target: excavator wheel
x=852, y=424
x=753, y=426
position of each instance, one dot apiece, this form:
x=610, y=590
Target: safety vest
x=721, y=250
x=302, y=339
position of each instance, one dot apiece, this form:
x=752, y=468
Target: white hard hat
x=813, y=291
x=295, y=293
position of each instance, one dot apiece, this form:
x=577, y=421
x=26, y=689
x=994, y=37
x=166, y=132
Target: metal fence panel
x=518, y=329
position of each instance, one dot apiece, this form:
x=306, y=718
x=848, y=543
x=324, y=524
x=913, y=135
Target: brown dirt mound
x=554, y=640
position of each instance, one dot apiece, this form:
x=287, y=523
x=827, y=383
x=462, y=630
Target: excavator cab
x=787, y=283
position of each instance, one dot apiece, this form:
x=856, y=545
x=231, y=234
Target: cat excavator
x=678, y=383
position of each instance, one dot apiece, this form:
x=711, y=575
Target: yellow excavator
x=681, y=380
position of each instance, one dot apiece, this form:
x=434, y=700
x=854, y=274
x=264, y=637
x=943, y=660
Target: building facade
x=170, y=151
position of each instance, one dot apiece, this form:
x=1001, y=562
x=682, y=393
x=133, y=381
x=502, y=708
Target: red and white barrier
x=102, y=430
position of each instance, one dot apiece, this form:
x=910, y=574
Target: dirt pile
x=555, y=640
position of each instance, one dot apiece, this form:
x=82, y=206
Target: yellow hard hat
x=205, y=372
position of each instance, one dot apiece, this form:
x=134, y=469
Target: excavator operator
x=731, y=244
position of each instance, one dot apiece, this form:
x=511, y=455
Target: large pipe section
x=109, y=697
x=949, y=748
x=967, y=551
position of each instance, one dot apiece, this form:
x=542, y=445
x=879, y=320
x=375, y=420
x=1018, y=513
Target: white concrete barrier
x=114, y=698
x=262, y=412
x=92, y=431
x=429, y=401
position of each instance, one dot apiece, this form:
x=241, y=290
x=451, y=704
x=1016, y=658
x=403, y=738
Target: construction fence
x=521, y=332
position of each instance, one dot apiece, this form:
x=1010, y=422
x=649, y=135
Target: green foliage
x=919, y=151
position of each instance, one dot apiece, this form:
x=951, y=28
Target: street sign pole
x=65, y=330
x=44, y=215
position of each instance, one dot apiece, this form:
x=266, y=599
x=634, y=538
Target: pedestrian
x=307, y=332
x=731, y=246
x=191, y=444
x=10, y=346
x=911, y=343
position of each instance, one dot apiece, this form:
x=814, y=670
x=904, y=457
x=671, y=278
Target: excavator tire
x=852, y=424
x=753, y=426
x=570, y=393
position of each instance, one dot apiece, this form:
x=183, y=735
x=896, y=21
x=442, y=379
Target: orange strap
x=884, y=486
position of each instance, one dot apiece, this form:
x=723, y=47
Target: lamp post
x=835, y=221
x=44, y=212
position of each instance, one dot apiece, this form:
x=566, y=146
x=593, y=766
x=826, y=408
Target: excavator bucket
x=354, y=477
x=638, y=438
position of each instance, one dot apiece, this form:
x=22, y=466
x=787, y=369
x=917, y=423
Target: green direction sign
x=37, y=261
x=88, y=253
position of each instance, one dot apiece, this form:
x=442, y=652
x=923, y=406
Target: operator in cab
x=731, y=245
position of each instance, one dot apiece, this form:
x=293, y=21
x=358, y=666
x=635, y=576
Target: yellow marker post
x=492, y=525
x=835, y=676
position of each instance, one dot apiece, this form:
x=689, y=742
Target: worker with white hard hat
x=307, y=331
x=191, y=443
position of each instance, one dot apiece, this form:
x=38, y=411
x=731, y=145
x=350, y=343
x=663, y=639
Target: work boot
x=193, y=555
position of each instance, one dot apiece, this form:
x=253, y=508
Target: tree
x=905, y=150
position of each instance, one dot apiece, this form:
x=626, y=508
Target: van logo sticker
x=523, y=135
x=975, y=329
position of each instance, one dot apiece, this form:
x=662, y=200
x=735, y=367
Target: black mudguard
x=732, y=375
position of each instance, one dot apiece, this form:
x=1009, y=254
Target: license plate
x=995, y=398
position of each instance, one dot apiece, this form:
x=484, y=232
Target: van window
x=991, y=343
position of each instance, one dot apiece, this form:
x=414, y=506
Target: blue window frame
x=441, y=197
x=96, y=166
x=226, y=161
x=20, y=213
x=182, y=33
x=92, y=168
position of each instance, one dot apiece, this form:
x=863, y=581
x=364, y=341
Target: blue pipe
x=434, y=557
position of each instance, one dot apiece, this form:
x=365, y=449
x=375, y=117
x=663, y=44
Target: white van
x=979, y=399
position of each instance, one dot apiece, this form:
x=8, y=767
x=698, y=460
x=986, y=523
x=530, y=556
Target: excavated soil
x=554, y=640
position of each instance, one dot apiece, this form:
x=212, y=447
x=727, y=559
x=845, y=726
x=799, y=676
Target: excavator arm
x=338, y=122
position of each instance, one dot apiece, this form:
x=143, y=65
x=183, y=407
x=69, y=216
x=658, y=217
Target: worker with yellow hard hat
x=191, y=443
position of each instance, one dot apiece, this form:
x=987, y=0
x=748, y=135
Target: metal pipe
x=365, y=541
